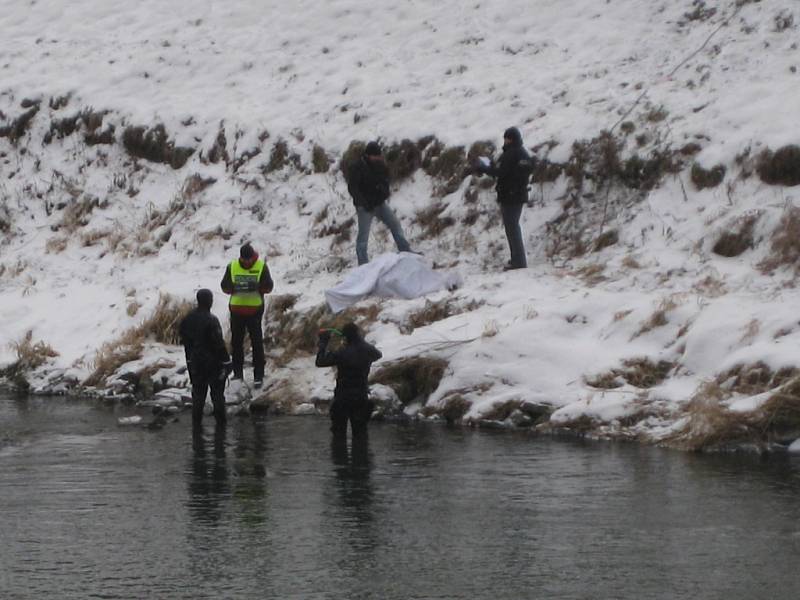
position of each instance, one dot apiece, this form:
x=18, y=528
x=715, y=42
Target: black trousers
x=353, y=409
x=511, y=214
x=201, y=382
x=251, y=325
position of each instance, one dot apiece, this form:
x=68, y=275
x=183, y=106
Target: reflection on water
x=273, y=508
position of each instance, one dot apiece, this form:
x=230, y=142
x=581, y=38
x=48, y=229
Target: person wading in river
x=206, y=357
x=351, y=396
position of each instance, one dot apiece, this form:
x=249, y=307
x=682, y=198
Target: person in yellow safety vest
x=247, y=279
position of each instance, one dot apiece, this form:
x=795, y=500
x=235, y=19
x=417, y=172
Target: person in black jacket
x=368, y=184
x=351, y=396
x=512, y=173
x=206, y=357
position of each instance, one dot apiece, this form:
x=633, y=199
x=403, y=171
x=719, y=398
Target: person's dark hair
x=247, y=251
x=351, y=333
x=205, y=298
x=373, y=149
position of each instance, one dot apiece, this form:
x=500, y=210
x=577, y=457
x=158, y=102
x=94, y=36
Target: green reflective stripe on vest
x=245, y=284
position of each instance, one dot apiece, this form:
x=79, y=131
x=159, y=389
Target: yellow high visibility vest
x=245, y=284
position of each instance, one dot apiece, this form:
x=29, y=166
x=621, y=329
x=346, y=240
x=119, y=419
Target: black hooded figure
x=512, y=172
x=206, y=357
x=351, y=396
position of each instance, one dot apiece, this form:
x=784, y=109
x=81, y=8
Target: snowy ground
x=720, y=75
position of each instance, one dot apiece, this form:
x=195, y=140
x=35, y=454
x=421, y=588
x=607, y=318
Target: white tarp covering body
x=403, y=275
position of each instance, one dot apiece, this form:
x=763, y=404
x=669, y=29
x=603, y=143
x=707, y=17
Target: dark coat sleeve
x=227, y=282
x=265, y=284
x=217, y=342
x=354, y=184
x=325, y=358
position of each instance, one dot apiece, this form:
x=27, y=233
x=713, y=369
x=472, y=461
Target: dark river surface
x=269, y=508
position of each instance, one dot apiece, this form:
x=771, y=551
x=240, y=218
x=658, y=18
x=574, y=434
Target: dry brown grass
x=432, y=222
x=412, y=378
x=161, y=326
x=290, y=333
x=592, y=274
x=501, y=411
x=435, y=311
x=658, y=318
x=710, y=425
x=738, y=239
x=30, y=354
x=785, y=244
x=638, y=372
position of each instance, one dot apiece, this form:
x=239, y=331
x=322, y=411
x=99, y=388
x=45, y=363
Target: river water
x=269, y=508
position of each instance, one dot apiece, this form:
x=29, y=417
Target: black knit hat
x=351, y=332
x=247, y=251
x=513, y=134
x=373, y=149
x=205, y=298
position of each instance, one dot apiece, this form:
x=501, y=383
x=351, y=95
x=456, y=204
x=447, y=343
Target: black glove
x=324, y=337
x=227, y=368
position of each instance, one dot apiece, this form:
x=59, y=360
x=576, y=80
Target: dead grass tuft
x=402, y=159
x=435, y=311
x=448, y=165
x=710, y=425
x=320, y=160
x=195, y=184
x=707, y=178
x=658, y=318
x=638, y=372
x=413, y=378
x=739, y=239
x=785, y=244
x=19, y=127
x=291, y=333
x=501, y=411
x=781, y=167
x=606, y=239
x=154, y=145
x=161, y=326
x=431, y=221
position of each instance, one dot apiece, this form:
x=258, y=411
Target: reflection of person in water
x=352, y=467
x=208, y=477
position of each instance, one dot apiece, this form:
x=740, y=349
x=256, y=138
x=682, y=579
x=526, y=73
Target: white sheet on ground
x=404, y=275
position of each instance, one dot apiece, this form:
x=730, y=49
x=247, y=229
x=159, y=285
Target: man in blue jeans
x=368, y=184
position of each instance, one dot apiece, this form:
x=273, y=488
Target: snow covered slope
x=258, y=102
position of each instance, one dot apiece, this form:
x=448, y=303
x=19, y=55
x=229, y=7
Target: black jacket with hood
x=368, y=183
x=512, y=171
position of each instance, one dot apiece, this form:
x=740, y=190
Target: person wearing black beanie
x=368, y=184
x=207, y=358
x=513, y=173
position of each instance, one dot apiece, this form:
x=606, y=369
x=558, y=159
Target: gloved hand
x=324, y=337
x=227, y=368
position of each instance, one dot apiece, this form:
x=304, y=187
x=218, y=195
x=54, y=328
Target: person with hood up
x=351, y=395
x=206, y=357
x=368, y=184
x=247, y=279
x=512, y=173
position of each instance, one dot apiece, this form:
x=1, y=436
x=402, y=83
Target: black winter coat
x=513, y=173
x=352, y=363
x=201, y=336
x=368, y=183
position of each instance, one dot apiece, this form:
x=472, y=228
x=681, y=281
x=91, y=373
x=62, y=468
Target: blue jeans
x=385, y=214
x=511, y=215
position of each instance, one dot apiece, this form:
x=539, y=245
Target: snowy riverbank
x=142, y=145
